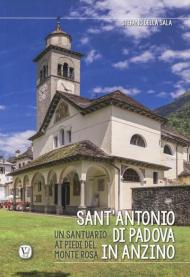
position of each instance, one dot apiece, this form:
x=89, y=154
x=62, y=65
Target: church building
x=90, y=153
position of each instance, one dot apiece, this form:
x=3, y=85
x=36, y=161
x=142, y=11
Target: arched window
x=44, y=73
x=65, y=70
x=71, y=73
x=137, y=140
x=167, y=150
x=62, y=137
x=131, y=175
x=59, y=69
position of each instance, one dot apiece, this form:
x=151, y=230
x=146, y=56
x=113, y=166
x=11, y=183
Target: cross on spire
x=58, y=26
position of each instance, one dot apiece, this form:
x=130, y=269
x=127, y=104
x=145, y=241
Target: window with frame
x=155, y=177
x=39, y=186
x=56, y=194
x=167, y=150
x=55, y=141
x=64, y=70
x=44, y=73
x=71, y=73
x=69, y=136
x=138, y=141
x=51, y=190
x=101, y=184
x=28, y=191
x=62, y=136
x=38, y=198
x=131, y=175
x=59, y=69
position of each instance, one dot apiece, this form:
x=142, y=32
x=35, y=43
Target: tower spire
x=58, y=25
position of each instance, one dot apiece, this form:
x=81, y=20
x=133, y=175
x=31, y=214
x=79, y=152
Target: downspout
x=116, y=167
x=119, y=174
x=188, y=154
x=14, y=197
x=176, y=161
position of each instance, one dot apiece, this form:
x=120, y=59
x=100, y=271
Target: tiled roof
x=116, y=98
x=85, y=106
x=76, y=151
x=28, y=154
x=172, y=134
x=85, y=149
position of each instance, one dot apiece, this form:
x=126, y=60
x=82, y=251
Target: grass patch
x=18, y=228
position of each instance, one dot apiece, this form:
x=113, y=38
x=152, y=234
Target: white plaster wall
x=126, y=187
x=124, y=125
x=61, y=41
x=170, y=160
x=3, y=177
x=21, y=161
x=95, y=127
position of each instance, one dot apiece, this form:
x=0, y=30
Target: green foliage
x=178, y=113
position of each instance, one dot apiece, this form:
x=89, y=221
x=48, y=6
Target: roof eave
x=68, y=159
x=54, y=47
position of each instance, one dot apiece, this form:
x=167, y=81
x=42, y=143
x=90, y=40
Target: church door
x=65, y=194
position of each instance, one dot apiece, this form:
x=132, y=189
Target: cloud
x=176, y=4
x=92, y=56
x=178, y=91
x=94, y=30
x=145, y=57
x=162, y=94
x=125, y=51
x=186, y=36
x=182, y=69
x=129, y=91
x=170, y=55
x=178, y=67
x=121, y=65
x=186, y=23
x=151, y=91
x=114, y=12
x=2, y=107
x=9, y=143
x=84, y=40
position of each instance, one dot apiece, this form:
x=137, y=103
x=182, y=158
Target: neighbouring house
x=19, y=161
x=89, y=153
x=22, y=159
x=5, y=168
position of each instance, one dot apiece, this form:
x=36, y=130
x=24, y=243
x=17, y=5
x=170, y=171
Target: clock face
x=66, y=86
x=43, y=92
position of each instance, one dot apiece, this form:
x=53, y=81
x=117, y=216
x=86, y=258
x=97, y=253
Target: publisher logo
x=25, y=251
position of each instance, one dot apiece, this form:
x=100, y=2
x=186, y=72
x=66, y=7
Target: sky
x=150, y=63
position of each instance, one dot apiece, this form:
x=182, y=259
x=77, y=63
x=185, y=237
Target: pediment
x=61, y=112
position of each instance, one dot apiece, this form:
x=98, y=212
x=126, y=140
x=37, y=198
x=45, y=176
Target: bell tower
x=58, y=69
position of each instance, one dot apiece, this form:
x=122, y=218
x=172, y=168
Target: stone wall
x=175, y=198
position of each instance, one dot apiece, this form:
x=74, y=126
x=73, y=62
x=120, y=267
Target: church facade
x=89, y=154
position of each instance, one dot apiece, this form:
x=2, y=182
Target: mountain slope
x=178, y=113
